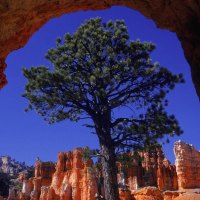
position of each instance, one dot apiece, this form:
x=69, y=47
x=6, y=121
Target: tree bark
x=109, y=171
x=107, y=152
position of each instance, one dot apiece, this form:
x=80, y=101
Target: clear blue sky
x=24, y=136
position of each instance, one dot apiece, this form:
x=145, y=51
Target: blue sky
x=24, y=136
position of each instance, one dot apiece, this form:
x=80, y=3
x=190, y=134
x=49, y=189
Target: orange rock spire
x=74, y=178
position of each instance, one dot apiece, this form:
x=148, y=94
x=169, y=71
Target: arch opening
x=168, y=52
x=19, y=20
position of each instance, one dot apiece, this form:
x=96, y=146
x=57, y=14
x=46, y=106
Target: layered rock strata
x=19, y=19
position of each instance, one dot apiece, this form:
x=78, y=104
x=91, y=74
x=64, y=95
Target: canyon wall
x=19, y=19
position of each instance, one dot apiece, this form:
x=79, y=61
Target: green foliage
x=97, y=70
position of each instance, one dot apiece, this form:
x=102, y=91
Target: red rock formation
x=125, y=195
x=43, y=178
x=167, y=177
x=74, y=178
x=188, y=194
x=158, y=171
x=78, y=179
x=19, y=19
x=148, y=193
x=187, y=165
x=154, y=170
x=170, y=195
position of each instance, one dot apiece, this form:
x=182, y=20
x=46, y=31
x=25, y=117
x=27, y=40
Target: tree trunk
x=107, y=152
x=109, y=168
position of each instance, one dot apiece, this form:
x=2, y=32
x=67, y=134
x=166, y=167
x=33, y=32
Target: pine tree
x=95, y=72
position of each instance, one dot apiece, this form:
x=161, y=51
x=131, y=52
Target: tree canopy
x=95, y=72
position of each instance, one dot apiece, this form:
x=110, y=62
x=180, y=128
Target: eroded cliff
x=20, y=19
x=78, y=179
x=149, y=177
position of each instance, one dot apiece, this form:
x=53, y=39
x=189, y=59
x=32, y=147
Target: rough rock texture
x=187, y=165
x=78, y=179
x=171, y=195
x=74, y=178
x=154, y=170
x=31, y=187
x=188, y=194
x=19, y=19
x=43, y=177
x=148, y=193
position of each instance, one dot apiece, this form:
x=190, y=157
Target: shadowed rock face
x=19, y=19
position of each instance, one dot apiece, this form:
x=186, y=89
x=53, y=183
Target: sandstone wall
x=187, y=165
x=19, y=19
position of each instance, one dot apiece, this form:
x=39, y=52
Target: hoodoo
x=150, y=178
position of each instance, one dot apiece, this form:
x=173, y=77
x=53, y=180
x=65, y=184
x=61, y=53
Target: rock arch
x=19, y=19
